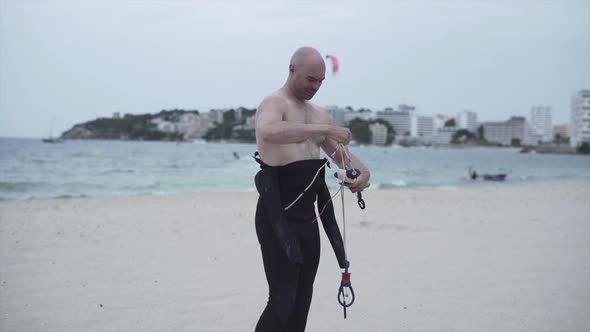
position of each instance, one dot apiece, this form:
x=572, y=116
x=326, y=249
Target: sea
x=31, y=169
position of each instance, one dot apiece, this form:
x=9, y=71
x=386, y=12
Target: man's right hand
x=341, y=135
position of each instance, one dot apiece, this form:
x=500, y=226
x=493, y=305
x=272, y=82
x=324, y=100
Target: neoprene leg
x=282, y=278
x=310, y=245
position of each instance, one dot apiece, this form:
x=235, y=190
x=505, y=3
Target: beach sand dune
x=501, y=258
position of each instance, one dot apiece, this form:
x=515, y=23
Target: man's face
x=308, y=79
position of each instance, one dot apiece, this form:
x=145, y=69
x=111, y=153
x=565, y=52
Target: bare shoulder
x=274, y=101
x=321, y=114
x=271, y=109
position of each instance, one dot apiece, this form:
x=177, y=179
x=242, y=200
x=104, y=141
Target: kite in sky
x=335, y=64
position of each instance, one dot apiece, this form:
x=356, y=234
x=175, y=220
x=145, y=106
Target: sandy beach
x=499, y=258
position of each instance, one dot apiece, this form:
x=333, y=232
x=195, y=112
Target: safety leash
x=348, y=174
x=346, y=295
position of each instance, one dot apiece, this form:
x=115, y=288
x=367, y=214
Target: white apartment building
x=504, y=132
x=467, y=120
x=541, y=123
x=580, y=118
x=351, y=115
x=439, y=121
x=561, y=130
x=190, y=125
x=407, y=123
x=424, y=127
x=215, y=116
x=443, y=136
x=399, y=120
x=338, y=114
x=165, y=126
x=193, y=126
x=379, y=133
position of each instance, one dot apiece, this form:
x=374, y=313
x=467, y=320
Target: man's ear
x=291, y=68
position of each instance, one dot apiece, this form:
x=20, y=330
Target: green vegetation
x=558, y=139
x=360, y=131
x=450, y=123
x=134, y=127
x=231, y=128
x=221, y=131
x=584, y=148
x=461, y=136
x=245, y=135
x=515, y=142
x=362, y=134
x=390, y=130
x=480, y=133
x=236, y=125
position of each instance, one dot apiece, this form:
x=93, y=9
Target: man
x=290, y=130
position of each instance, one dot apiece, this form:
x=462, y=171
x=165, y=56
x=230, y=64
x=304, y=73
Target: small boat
x=494, y=177
x=53, y=140
x=487, y=177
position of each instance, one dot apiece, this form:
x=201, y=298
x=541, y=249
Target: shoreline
x=466, y=185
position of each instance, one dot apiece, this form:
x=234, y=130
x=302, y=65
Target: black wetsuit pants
x=290, y=285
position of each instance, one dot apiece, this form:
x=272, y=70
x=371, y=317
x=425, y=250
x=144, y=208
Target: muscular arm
x=271, y=126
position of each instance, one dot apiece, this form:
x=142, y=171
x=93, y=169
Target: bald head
x=307, y=70
x=306, y=55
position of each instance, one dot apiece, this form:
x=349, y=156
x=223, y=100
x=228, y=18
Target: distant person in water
x=472, y=174
x=290, y=130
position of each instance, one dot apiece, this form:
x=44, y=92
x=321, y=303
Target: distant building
x=215, y=116
x=406, y=108
x=407, y=123
x=580, y=118
x=250, y=122
x=116, y=115
x=337, y=114
x=561, y=130
x=541, y=123
x=424, y=127
x=442, y=136
x=164, y=126
x=192, y=126
x=439, y=121
x=238, y=114
x=467, y=120
x=351, y=115
x=379, y=133
x=399, y=120
x=189, y=125
x=503, y=133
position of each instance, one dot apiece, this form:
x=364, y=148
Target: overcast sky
x=74, y=61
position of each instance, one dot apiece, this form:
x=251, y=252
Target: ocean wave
x=141, y=188
x=20, y=186
x=117, y=171
x=70, y=196
x=392, y=185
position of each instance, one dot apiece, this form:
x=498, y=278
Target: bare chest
x=304, y=115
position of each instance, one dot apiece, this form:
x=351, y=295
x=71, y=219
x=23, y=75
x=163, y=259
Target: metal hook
x=361, y=202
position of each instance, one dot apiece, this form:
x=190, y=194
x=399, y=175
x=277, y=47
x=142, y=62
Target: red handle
x=346, y=278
